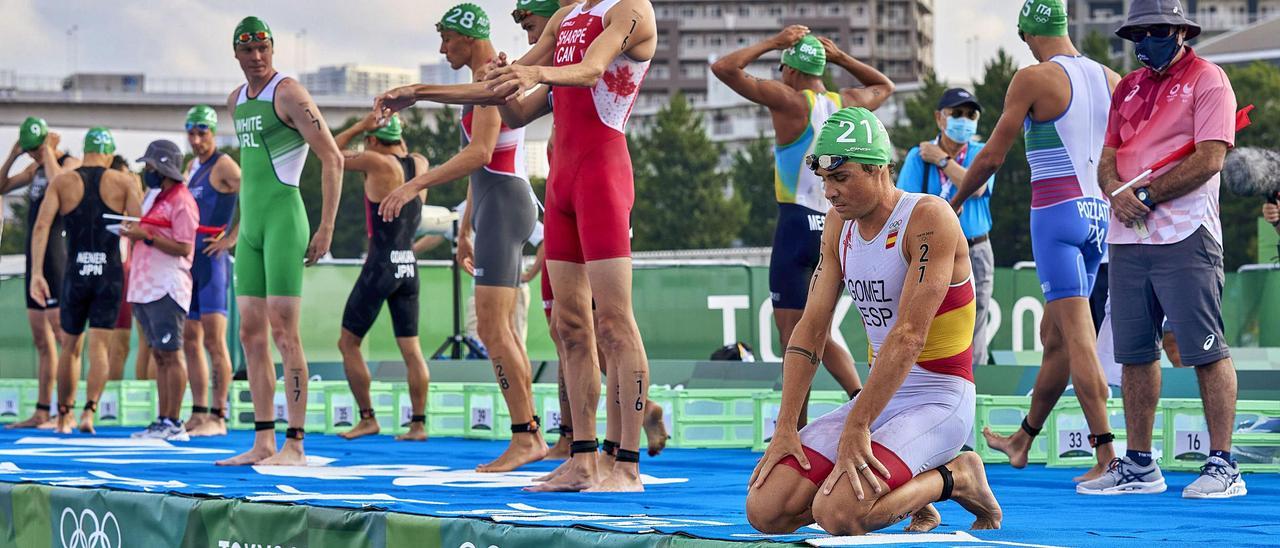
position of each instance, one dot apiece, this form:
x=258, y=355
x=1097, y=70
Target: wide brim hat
x=1145, y=13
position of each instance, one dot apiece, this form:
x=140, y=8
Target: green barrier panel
x=1003, y=415
x=1255, y=439
x=1068, y=433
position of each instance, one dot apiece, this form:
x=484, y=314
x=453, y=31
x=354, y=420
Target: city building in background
x=356, y=80
x=1258, y=42
x=442, y=74
x=1215, y=17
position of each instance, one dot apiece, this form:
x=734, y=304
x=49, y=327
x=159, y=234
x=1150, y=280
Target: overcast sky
x=192, y=39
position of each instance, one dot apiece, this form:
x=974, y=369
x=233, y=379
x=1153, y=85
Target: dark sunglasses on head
x=825, y=161
x=1136, y=34
x=520, y=14
x=199, y=127
x=969, y=113
x=260, y=36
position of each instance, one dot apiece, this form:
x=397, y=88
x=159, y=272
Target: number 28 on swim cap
x=853, y=134
x=466, y=19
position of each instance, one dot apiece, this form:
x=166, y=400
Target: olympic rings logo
x=81, y=537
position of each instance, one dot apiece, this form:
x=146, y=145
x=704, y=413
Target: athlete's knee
x=771, y=515
x=45, y=345
x=493, y=329
x=192, y=335
x=837, y=517
x=252, y=334
x=348, y=343
x=616, y=333
x=216, y=347
x=286, y=338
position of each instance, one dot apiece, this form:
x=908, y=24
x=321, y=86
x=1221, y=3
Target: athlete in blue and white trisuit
x=214, y=181
x=1061, y=106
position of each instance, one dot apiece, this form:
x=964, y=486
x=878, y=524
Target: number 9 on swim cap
x=466, y=19
x=857, y=135
x=32, y=133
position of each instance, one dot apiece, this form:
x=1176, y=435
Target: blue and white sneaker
x=1125, y=477
x=1218, y=480
x=155, y=430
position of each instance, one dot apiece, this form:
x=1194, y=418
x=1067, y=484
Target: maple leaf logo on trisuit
x=621, y=83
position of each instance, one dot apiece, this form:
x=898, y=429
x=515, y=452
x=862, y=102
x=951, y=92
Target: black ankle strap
x=217, y=412
x=566, y=430
x=418, y=418
x=948, y=483
x=609, y=447
x=528, y=427
x=1101, y=439
x=627, y=456
x=91, y=406
x=1033, y=432
x=259, y=426
x=199, y=409
x=367, y=414
x=43, y=407
x=295, y=433
x=63, y=409
x=584, y=446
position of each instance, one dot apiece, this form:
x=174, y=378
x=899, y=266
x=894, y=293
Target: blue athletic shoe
x=1125, y=477
x=1218, y=480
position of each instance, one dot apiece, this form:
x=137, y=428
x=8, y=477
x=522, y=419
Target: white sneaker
x=155, y=431
x=176, y=432
x=1218, y=480
x=1125, y=477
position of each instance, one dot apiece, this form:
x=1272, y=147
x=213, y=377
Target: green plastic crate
x=338, y=411
x=446, y=409
x=768, y=404
x=12, y=408
x=1255, y=439
x=1004, y=414
x=714, y=418
x=138, y=403
x=486, y=413
x=1068, y=433
x=546, y=399
x=240, y=414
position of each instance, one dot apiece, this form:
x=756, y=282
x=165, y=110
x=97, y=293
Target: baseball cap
x=955, y=97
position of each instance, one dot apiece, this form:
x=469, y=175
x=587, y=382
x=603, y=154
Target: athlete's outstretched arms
x=731, y=69
x=876, y=86
x=303, y=114
x=804, y=352
x=629, y=28
x=931, y=249
x=1017, y=103
x=485, y=127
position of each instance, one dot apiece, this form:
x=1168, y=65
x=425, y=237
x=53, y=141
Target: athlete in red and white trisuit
x=594, y=56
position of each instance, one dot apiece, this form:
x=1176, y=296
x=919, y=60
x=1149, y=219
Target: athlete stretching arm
x=876, y=86
x=937, y=257
x=783, y=101
x=301, y=112
x=486, y=125
x=629, y=28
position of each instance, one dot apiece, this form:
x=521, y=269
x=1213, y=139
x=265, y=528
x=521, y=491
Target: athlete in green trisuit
x=276, y=121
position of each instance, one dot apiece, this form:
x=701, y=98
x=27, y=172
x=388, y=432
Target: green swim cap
x=1043, y=18
x=466, y=19
x=389, y=132
x=32, y=133
x=856, y=134
x=545, y=8
x=202, y=115
x=252, y=29
x=807, y=56
x=99, y=141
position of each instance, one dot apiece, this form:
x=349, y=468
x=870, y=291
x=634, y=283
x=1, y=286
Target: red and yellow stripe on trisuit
x=949, y=347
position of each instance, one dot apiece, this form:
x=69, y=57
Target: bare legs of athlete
x=561, y=449
x=359, y=380
x=837, y=361
x=494, y=307
x=1070, y=355
x=787, y=501
x=45, y=327
x=278, y=317
x=69, y=377
x=208, y=334
x=118, y=351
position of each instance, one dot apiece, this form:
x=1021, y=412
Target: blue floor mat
x=693, y=492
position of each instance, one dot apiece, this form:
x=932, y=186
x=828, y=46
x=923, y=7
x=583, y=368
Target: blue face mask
x=152, y=178
x=1157, y=53
x=961, y=130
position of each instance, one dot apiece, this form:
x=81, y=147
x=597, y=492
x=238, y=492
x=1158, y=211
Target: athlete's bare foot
x=524, y=448
x=417, y=432
x=209, y=427
x=560, y=450
x=48, y=425
x=580, y=473
x=195, y=420
x=65, y=423
x=1105, y=453
x=37, y=419
x=972, y=491
x=655, y=431
x=366, y=427
x=291, y=454
x=86, y=422
x=263, y=447
x=564, y=466
x=1016, y=445
x=624, y=479
x=924, y=520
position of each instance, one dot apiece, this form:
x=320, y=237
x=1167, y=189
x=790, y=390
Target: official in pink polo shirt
x=160, y=279
x=1166, y=243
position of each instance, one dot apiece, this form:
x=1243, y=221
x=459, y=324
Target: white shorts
x=925, y=425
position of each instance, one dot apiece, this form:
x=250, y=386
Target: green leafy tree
x=1097, y=46
x=918, y=125
x=752, y=175
x=1011, y=232
x=681, y=201
x=1257, y=84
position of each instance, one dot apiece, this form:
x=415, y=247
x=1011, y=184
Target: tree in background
x=1097, y=46
x=917, y=124
x=681, y=201
x=1257, y=84
x=752, y=175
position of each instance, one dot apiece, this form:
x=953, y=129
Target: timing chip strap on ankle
x=527, y=427
x=1033, y=432
x=259, y=426
x=418, y=418
x=1101, y=439
x=609, y=447
x=295, y=433
x=584, y=446
x=91, y=406
x=627, y=456
x=366, y=414
x=43, y=407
